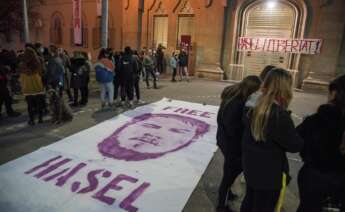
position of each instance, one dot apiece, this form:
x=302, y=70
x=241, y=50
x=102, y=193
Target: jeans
x=107, y=92
x=150, y=71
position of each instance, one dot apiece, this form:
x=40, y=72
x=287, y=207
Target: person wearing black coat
x=229, y=134
x=268, y=134
x=80, y=71
x=128, y=65
x=323, y=172
x=118, y=75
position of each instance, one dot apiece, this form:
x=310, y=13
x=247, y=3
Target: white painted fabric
x=165, y=148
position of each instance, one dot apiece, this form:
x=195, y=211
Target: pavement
x=18, y=139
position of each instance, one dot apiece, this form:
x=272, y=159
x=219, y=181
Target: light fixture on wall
x=271, y=4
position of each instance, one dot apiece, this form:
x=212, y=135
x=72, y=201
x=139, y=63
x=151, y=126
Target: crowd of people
x=36, y=70
x=256, y=131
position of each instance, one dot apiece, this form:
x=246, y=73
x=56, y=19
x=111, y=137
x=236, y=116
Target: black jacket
x=322, y=133
x=128, y=65
x=265, y=161
x=230, y=128
x=80, y=72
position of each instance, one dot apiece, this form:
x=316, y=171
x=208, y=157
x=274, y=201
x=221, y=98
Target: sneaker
x=13, y=114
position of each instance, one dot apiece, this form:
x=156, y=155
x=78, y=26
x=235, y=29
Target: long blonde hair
x=277, y=88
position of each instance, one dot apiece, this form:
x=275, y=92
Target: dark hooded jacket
x=230, y=128
x=322, y=133
x=264, y=162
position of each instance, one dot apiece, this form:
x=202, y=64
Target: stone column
x=26, y=22
x=104, y=26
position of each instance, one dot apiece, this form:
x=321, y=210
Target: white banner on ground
x=148, y=159
x=77, y=27
x=281, y=45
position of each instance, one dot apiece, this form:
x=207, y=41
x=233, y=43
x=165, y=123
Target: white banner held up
x=77, y=25
x=149, y=159
x=281, y=45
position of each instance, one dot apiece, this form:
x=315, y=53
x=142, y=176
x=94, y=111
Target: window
x=56, y=30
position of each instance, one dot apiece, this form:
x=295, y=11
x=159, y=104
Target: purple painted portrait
x=151, y=136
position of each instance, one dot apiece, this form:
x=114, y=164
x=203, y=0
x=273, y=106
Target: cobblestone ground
x=17, y=139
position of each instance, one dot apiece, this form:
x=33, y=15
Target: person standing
x=183, y=65
x=127, y=65
x=323, y=171
x=79, y=79
x=55, y=70
x=4, y=92
x=105, y=75
x=160, y=59
x=67, y=74
x=268, y=134
x=229, y=134
x=118, y=77
x=149, y=68
x=32, y=86
x=136, y=76
x=173, y=65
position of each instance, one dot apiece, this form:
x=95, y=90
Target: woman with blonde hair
x=269, y=133
x=229, y=134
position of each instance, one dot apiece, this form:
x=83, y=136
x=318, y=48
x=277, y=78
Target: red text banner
x=77, y=22
x=281, y=45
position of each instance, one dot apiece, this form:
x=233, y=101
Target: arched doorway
x=271, y=19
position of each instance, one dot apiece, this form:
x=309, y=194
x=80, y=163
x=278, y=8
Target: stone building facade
x=213, y=28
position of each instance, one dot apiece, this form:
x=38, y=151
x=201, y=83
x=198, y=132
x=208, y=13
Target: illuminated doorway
x=272, y=19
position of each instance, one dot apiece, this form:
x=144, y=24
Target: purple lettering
x=206, y=114
x=167, y=108
x=50, y=167
x=126, y=204
x=55, y=175
x=63, y=179
x=43, y=165
x=193, y=112
x=178, y=110
x=93, y=181
x=100, y=195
